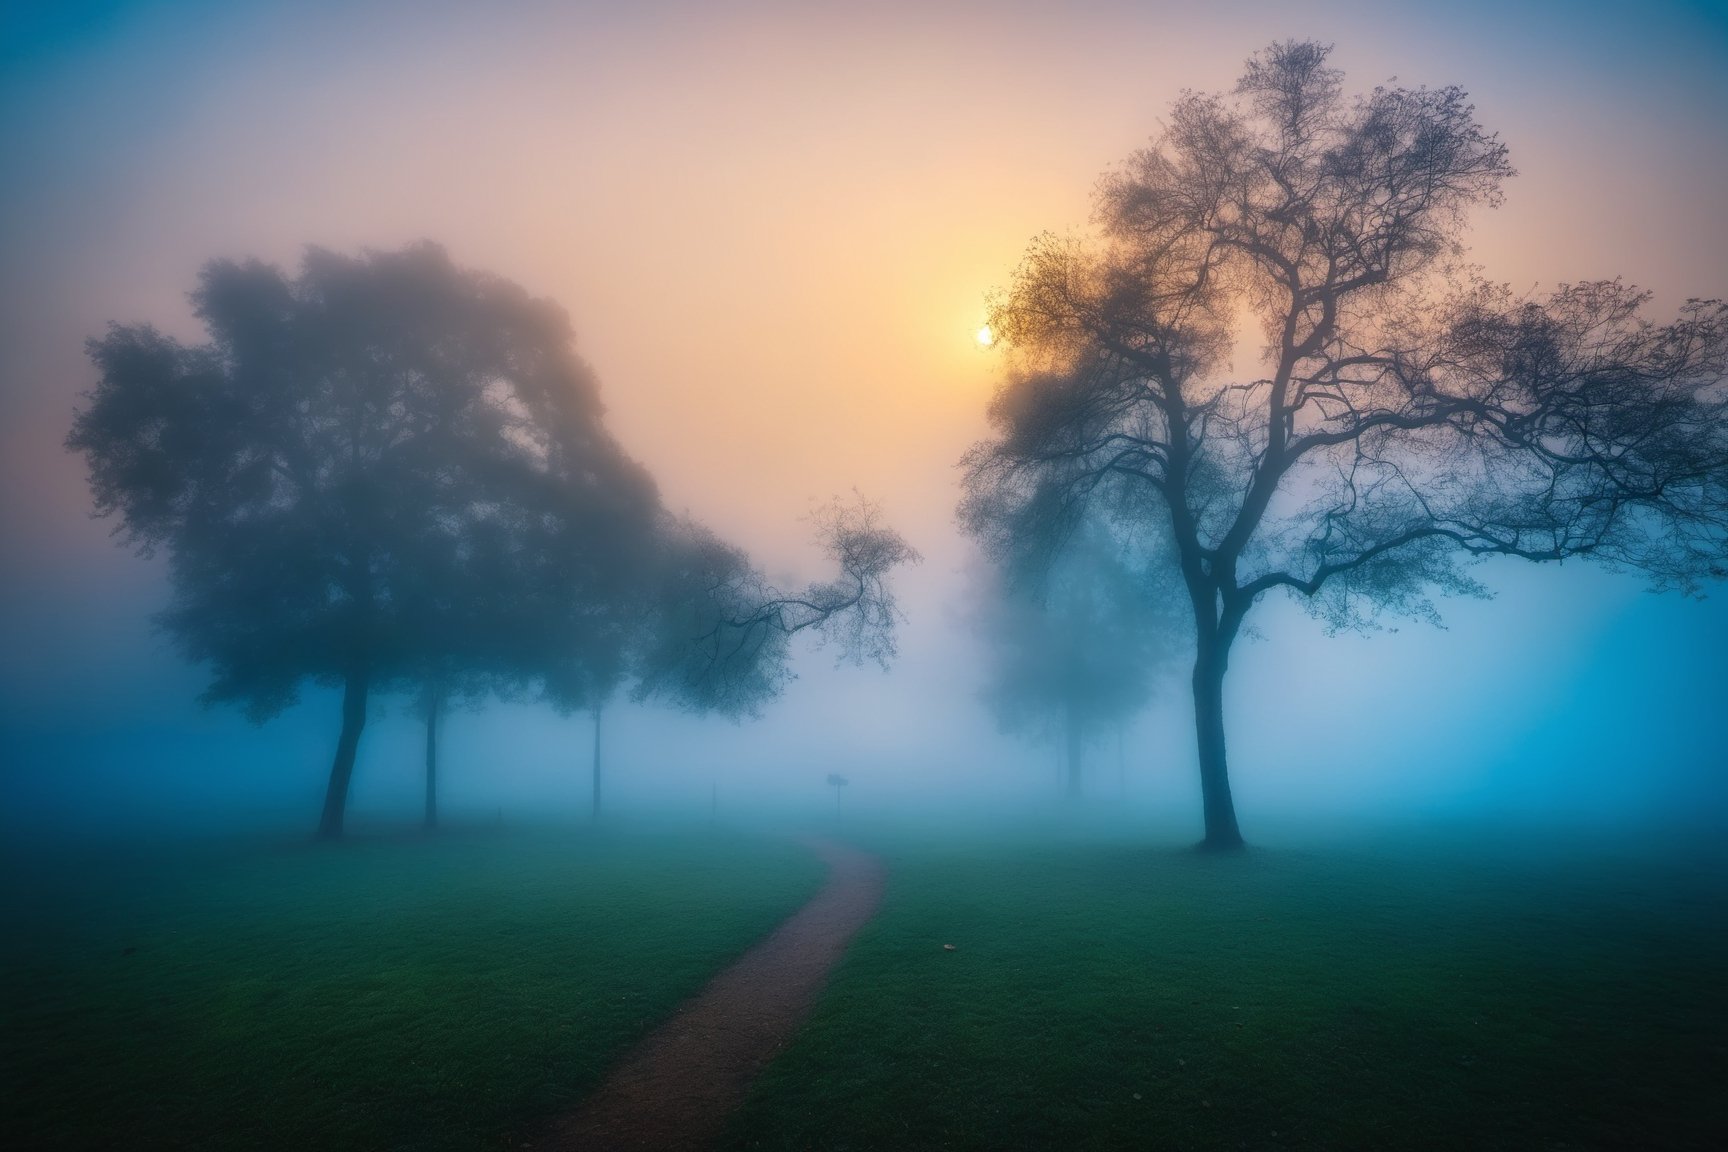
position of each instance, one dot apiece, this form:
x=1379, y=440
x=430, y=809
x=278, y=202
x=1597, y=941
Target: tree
x=719, y=636
x=1076, y=646
x=1409, y=417
x=593, y=556
x=332, y=473
x=589, y=658
x=698, y=626
x=704, y=630
x=465, y=599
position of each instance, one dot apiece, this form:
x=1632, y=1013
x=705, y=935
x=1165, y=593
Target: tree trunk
x=596, y=810
x=1222, y=834
x=342, y=769
x=432, y=704
x=1076, y=749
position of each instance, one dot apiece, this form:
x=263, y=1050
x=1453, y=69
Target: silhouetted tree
x=704, y=630
x=586, y=673
x=326, y=472
x=1076, y=650
x=594, y=562
x=470, y=614
x=719, y=635
x=451, y=585
x=1408, y=417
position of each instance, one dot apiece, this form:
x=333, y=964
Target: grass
x=455, y=992
x=442, y=993
x=1115, y=997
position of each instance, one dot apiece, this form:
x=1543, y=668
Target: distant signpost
x=839, y=783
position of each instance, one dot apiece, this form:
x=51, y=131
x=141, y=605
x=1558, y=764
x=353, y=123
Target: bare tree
x=1409, y=417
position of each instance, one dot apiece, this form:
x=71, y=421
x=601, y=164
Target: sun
x=986, y=337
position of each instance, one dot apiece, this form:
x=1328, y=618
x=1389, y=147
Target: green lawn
x=453, y=992
x=1124, y=997
x=414, y=993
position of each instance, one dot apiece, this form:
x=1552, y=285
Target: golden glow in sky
x=776, y=228
x=814, y=175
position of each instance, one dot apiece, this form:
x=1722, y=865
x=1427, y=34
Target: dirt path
x=677, y=1087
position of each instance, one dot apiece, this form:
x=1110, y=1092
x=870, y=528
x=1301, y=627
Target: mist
x=792, y=286
x=787, y=238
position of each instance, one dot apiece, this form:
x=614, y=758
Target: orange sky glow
x=774, y=225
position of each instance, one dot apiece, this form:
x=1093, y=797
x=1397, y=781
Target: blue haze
x=1573, y=696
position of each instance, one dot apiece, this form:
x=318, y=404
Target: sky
x=774, y=226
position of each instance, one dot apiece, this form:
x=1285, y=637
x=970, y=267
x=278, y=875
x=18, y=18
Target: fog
x=775, y=228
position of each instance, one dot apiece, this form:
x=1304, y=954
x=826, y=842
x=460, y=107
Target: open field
x=444, y=993
x=456, y=992
x=1125, y=997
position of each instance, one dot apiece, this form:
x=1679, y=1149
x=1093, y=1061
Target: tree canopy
x=391, y=473
x=706, y=632
x=374, y=470
x=719, y=633
x=1407, y=416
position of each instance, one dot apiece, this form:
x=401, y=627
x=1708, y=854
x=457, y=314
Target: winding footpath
x=676, y=1088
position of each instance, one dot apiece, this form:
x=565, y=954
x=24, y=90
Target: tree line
x=389, y=474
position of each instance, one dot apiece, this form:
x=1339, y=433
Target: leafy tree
x=1076, y=652
x=1408, y=416
x=719, y=637
x=705, y=631
x=593, y=564
x=355, y=455
x=439, y=669
x=475, y=600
